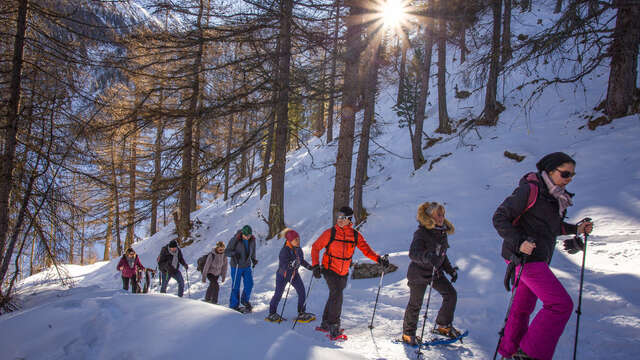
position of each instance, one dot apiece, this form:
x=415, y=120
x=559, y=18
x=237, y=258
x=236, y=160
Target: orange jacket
x=341, y=249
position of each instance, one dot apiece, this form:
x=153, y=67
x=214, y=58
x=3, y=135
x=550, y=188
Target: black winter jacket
x=241, y=257
x=426, y=244
x=541, y=224
x=165, y=258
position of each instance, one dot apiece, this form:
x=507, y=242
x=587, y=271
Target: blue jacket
x=290, y=260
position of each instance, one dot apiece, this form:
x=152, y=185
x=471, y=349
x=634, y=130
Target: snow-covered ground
x=97, y=320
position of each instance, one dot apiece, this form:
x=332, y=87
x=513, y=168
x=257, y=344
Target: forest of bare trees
x=115, y=122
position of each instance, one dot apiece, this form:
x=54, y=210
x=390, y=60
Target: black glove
x=308, y=267
x=186, y=267
x=435, y=260
x=255, y=262
x=383, y=260
x=317, y=271
x=454, y=274
x=574, y=245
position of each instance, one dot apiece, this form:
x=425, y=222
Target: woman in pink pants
x=529, y=225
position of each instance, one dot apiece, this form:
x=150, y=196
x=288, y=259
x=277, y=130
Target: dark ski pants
x=416, y=296
x=165, y=281
x=281, y=283
x=134, y=284
x=333, y=307
x=213, y=289
x=240, y=275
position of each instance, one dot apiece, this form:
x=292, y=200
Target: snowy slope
x=97, y=320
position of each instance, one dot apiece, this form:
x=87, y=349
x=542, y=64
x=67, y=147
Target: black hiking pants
x=213, y=289
x=333, y=308
x=445, y=316
x=134, y=284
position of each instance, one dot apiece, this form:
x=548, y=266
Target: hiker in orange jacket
x=339, y=243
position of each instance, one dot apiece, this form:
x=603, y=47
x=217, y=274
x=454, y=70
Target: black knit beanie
x=552, y=161
x=346, y=211
x=173, y=244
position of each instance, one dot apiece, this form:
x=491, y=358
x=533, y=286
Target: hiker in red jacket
x=130, y=267
x=339, y=243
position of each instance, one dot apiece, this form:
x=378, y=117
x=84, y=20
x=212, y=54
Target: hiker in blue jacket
x=242, y=251
x=291, y=258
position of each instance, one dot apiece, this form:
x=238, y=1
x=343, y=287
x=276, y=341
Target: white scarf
x=174, y=261
x=558, y=192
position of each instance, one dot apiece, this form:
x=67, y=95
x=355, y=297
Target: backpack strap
x=333, y=238
x=532, y=180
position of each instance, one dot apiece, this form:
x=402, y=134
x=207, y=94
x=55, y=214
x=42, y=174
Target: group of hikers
x=529, y=220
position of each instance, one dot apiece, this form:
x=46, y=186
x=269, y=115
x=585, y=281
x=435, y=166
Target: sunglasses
x=344, y=217
x=566, y=174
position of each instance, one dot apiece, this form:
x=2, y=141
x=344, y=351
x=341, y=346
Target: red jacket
x=128, y=272
x=338, y=257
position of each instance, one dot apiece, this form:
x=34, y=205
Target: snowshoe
x=440, y=340
x=447, y=330
x=326, y=330
x=275, y=318
x=241, y=309
x=335, y=333
x=305, y=317
x=411, y=340
x=521, y=355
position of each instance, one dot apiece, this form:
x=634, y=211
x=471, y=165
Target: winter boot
x=334, y=331
x=305, y=317
x=521, y=355
x=275, y=318
x=447, y=330
x=247, y=306
x=411, y=340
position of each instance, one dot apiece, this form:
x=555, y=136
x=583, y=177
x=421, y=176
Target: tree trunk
x=593, y=8
x=349, y=107
x=227, y=165
x=490, y=102
x=506, y=33
x=276, y=202
x=157, y=175
x=32, y=256
x=244, y=158
x=558, y=8
x=12, y=124
x=525, y=5
x=83, y=240
x=444, y=126
x=109, y=235
x=131, y=213
x=403, y=69
x=268, y=145
x=116, y=200
x=187, y=147
x=318, y=121
x=196, y=164
x=368, y=120
x=334, y=65
x=463, y=45
x=416, y=141
x=624, y=59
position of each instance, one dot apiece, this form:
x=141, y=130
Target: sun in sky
x=393, y=12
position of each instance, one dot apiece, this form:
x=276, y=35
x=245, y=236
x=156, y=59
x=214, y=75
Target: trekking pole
x=426, y=312
x=305, y=300
x=188, y=283
x=287, y=295
x=377, y=296
x=233, y=284
x=506, y=317
x=578, y=310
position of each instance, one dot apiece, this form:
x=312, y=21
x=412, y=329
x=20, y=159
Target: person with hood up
x=290, y=259
x=130, y=267
x=242, y=251
x=169, y=262
x=529, y=230
x=429, y=260
x=215, y=267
